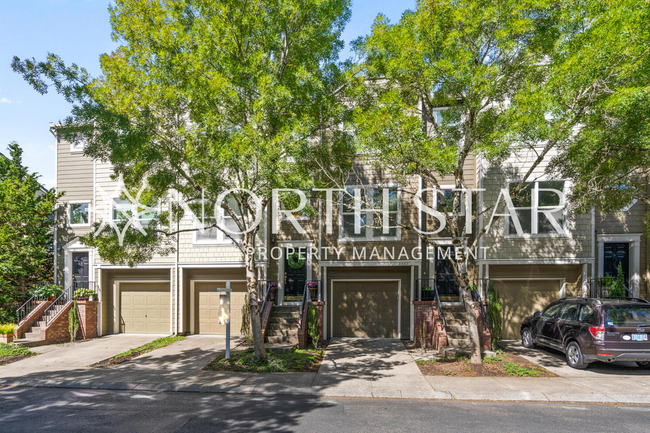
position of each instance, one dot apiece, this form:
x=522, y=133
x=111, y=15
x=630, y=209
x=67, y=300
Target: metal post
x=227, y=290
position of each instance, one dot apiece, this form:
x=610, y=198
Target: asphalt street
x=70, y=410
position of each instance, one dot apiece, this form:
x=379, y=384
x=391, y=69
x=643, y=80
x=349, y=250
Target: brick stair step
x=278, y=340
x=284, y=320
x=281, y=326
x=459, y=342
x=33, y=335
x=457, y=328
x=286, y=315
x=281, y=333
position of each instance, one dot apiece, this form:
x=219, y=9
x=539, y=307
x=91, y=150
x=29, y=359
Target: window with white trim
x=78, y=145
x=446, y=194
x=211, y=234
x=123, y=210
x=537, y=210
x=372, y=227
x=79, y=213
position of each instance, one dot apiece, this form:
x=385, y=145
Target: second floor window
x=123, y=209
x=79, y=214
x=372, y=222
x=211, y=234
x=537, y=210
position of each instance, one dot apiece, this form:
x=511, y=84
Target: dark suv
x=588, y=330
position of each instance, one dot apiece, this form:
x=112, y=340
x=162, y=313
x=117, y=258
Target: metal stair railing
x=60, y=301
x=599, y=287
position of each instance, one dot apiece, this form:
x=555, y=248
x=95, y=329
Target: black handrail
x=599, y=287
x=61, y=300
x=476, y=297
x=441, y=316
x=30, y=304
x=267, y=295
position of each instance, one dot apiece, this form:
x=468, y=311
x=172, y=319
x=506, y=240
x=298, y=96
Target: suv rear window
x=627, y=315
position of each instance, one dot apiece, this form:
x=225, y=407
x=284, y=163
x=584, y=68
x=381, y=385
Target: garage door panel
x=210, y=308
x=145, y=308
x=365, y=309
x=522, y=298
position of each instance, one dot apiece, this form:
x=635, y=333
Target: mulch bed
x=4, y=360
x=460, y=367
x=115, y=361
x=303, y=361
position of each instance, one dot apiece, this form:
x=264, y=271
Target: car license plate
x=639, y=337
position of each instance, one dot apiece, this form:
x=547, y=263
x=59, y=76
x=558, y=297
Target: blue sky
x=79, y=31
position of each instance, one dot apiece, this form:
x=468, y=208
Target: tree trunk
x=474, y=335
x=251, y=281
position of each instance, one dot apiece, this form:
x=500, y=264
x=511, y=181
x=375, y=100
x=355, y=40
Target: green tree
x=26, y=229
x=609, y=159
x=499, y=69
x=204, y=97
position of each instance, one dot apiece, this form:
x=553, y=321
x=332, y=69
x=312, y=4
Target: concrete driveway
x=555, y=361
x=67, y=357
x=371, y=368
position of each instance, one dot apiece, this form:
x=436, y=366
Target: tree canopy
x=26, y=229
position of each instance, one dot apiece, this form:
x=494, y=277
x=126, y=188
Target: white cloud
x=5, y=101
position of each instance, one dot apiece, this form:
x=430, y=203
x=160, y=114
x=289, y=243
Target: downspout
x=55, y=243
x=176, y=276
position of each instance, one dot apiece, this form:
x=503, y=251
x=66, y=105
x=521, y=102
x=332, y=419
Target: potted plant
x=427, y=293
x=273, y=287
x=7, y=332
x=83, y=294
x=312, y=286
x=48, y=291
x=474, y=292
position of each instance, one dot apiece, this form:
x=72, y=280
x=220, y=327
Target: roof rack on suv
x=627, y=299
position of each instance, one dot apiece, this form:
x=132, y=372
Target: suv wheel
x=527, y=338
x=574, y=355
x=643, y=364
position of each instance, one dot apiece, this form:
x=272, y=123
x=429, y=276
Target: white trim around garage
x=116, y=300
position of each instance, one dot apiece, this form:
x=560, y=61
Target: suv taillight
x=597, y=332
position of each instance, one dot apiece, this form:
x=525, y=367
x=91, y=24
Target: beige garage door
x=365, y=309
x=522, y=298
x=210, y=312
x=144, y=308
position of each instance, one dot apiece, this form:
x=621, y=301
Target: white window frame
x=75, y=149
x=369, y=231
x=221, y=239
x=134, y=210
x=69, y=212
x=283, y=217
x=535, y=214
x=444, y=188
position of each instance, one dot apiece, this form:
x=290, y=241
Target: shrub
x=7, y=328
x=312, y=325
x=73, y=321
x=83, y=293
x=616, y=287
x=47, y=291
x=495, y=319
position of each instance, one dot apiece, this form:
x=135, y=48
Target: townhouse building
x=369, y=279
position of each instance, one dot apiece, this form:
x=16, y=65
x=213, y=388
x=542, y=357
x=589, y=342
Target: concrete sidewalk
x=352, y=368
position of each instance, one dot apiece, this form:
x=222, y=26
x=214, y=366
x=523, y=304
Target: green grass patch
x=514, y=369
x=156, y=344
x=133, y=353
x=14, y=350
x=295, y=361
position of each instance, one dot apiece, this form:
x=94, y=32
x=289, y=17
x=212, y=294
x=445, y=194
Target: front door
x=615, y=254
x=80, y=271
x=295, y=276
x=446, y=281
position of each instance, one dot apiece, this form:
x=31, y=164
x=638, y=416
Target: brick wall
x=57, y=330
x=88, y=318
x=32, y=317
x=426, y=322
